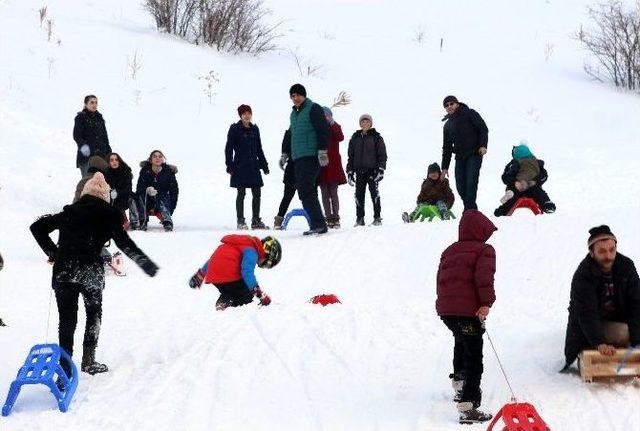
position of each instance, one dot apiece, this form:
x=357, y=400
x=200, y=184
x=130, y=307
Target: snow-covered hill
x=380, y=360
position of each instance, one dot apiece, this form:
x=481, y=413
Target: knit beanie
x=244, y=108
x=600, y=233
x=449, y=99
x=433, y=167
x=521, y=152
x=327, y=111
x=97, y=186
x=298, y=89
x=365, y=117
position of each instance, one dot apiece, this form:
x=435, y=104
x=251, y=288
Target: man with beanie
x=366, y=163
x=309, y=133
x=84, y=227
x=465, y=134
x=465, y=296
x=604, y=309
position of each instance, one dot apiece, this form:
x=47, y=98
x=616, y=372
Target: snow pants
x=233, y=294
x=467, y=355
x=364, y=179
x=536, y=193
x=67, y=295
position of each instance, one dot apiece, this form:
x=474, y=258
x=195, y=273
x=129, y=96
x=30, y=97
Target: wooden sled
x=624, y=364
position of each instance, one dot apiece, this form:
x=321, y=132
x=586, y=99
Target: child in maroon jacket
x=231, y=269
x=465, y=295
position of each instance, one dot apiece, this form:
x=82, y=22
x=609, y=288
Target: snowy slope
x=380, y=360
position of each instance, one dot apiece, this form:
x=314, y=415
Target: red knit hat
x=244, y=108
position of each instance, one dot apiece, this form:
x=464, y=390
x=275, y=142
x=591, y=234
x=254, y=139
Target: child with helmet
x=231, y=269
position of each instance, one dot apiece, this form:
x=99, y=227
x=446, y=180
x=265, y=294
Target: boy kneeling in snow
x=231, y=269
x=524, y=176
x=435, y=191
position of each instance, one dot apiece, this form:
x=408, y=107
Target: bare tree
x=419, y=35
x=49, y=29
x=134, y=64
x=342, y=99
x=233, y=26
x=306, y=68
x=42, y=13
x=614, y=41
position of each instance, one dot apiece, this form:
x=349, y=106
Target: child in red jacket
x=465, y=295
x=231, y=269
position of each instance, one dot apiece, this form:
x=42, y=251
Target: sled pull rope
x=46, y=335
x=495, y=352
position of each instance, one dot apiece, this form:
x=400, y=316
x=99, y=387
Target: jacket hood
x=475, y=226
x=521, y=152
x=372, y=131
x=244, y=241
x=147, y=164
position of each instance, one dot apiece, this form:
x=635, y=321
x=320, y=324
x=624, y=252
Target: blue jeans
x=159, y=203
x=467, y=176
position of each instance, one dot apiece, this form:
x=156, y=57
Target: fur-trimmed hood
x=147, y=164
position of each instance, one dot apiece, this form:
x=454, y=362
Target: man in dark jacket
x=90, y=134
x=465, y=295
x=309, y=139
x=604, y=310
x=465, y=134
x=366, y=162
x=157, y=190
x=84, y=227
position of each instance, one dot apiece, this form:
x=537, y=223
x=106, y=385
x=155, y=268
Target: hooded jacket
x=235, y=259
x=467, y=267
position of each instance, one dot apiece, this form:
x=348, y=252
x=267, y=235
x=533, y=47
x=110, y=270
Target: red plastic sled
x=526, y=203
x=519, y=417
x=325, y=299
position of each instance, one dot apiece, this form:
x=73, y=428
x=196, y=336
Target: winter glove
x=323, y=158
x=284, y=158
x=229, y=170
x=148, y=267
x=266, y=170
x=151, y=191
x=85, y=150
x=379, y=175
x=351, y=178
x=195, y=282
x=114, y=194
x=263, y=297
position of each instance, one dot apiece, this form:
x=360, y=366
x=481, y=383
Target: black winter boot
x=277, y=222
x=471, y=415
x=89, y=364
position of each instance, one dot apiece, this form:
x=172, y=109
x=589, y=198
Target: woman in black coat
x=157, y=190
x=78, y=268
x=90, y=134
x=244, y=159
x=120, y=179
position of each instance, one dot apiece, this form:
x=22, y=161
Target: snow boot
x=457, y=382
x=329, y=221
x=168, y=226
x=316, y=231
x=277, y=222
x=336, y=222
x=2, y=323
x=405, y=217
x=507, y=195
x=377, y=222
x=359, y=222
x=242, y=225
x=471, y=415
x=549, y=207
x=89, y=364
x=257, y=223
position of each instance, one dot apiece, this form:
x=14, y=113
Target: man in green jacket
x=309, y=133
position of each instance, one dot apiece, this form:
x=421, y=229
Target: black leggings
x=287, y=197
x=255, y=203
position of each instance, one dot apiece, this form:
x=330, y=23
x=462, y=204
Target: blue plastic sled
x=297, y=212
x=43, y=366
